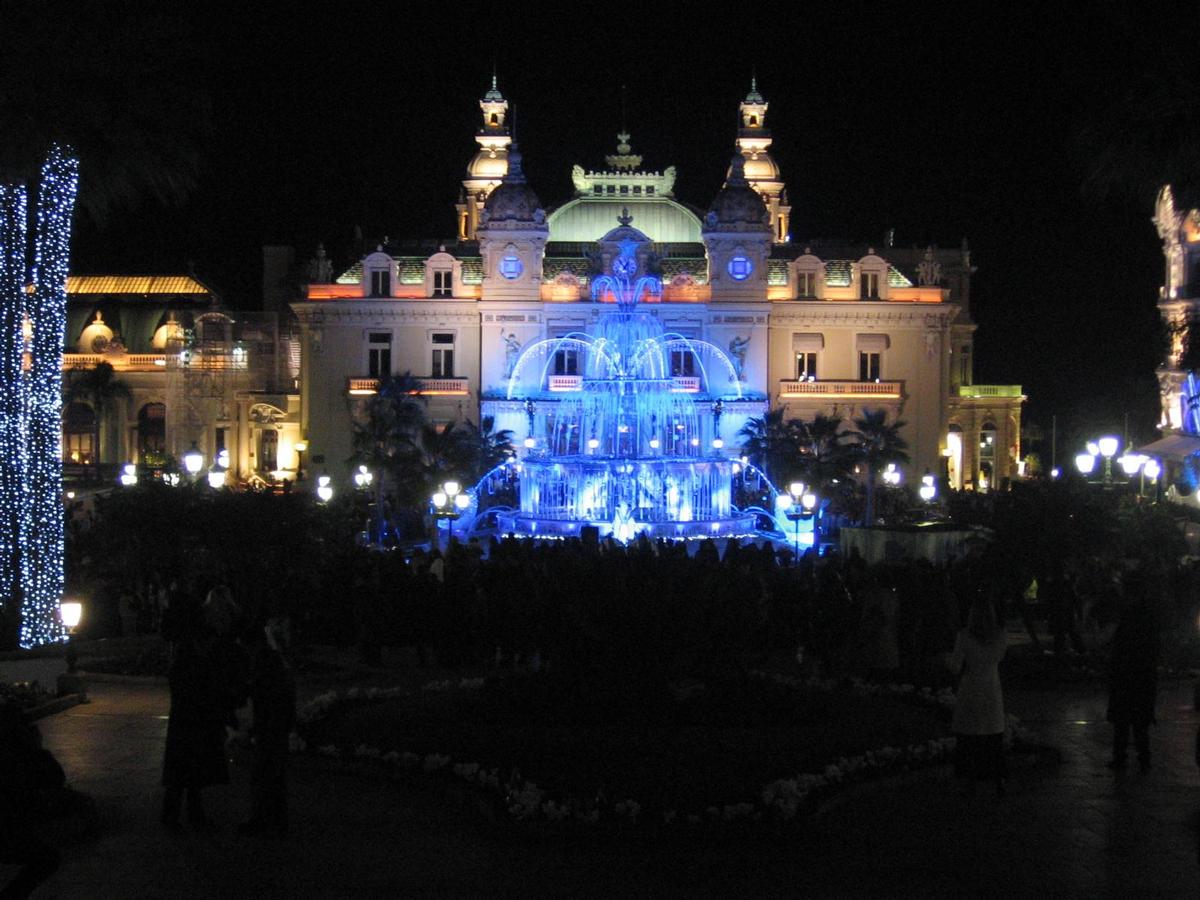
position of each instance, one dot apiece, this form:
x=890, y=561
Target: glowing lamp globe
x=530, y=443
x=783, y=502
x=216, y=478
x=718, y=443
x=654, y=443
x=451, y=488
x=809, y=501
x=926, y=491
x=193, y=460
x=1055, y=472
x=71, y=612
x=1093, y=448
x=1130, y=463
x=1085, y=463
x=462, y=501
x=324, y=489
x=796, y=489
x=439, y=499
x=129, y=475
x=1108, y=446
x=301, y=446
x=1152, y=469
x=593, y=443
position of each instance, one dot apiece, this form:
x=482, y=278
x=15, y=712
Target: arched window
x=987, y=456
x=79, y=434
x=152, y=434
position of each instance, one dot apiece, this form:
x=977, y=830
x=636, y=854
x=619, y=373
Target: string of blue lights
x=42, y=571
x=13, y=506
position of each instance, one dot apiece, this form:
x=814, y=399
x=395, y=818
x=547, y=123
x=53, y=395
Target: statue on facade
x=929, y=270
x=737, y=353
x=320, y=267
x=512, y=349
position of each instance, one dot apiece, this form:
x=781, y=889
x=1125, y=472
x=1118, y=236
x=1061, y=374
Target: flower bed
x=763, y=751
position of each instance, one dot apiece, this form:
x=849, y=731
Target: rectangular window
x=870, y=285
x=379, y=354
x=268, y=455
x=442, y=365
x=868, y=366
x=964, y=365
x=806, y=366
x=381, y=283
x=566, y=361
x=219, y=440
x=683, y=363
x=807, y=284
x=443, y=285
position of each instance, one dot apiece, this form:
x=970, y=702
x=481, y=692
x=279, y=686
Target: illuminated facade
x=192, y=371
x=815, y=326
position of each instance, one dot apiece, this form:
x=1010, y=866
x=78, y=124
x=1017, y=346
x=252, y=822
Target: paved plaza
x=1067, y=830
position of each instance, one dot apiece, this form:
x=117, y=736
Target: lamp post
x=1152, y=470
x=927, y=490
x=1108, y=449
x=216, y=476
x=70, y=612
x=324, y=489
x=129, y=476
x=193, y=461
x=363, y=478
x=448, y=503
x=300, y=447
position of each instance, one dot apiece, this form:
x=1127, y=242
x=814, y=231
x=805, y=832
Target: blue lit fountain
x=619, y=441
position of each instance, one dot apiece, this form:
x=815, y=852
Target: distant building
x=196, y=374
x=816, y=326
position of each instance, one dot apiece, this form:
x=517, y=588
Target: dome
x=761, y=167
x=514, y=200
x=737, y=203
x=489, y=164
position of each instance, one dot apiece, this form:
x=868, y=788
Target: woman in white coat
x=978, y=722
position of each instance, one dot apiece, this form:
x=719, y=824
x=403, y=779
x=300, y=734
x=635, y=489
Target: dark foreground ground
x=1071, y=830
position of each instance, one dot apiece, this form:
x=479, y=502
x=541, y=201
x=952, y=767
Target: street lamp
x=927, y=490
x=448, y=503
x=71, y=612
x=1108, y=449
x=193, y=460
x=891, y=475
x=300, y=446
x=1085, y=463
x=363, y=478
x=129, y=475
x=324, y=489
x=216, y=476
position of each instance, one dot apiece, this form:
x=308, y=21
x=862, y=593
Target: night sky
x=938, y=122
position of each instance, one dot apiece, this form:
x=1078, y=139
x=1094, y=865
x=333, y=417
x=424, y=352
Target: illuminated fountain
x=617, y=437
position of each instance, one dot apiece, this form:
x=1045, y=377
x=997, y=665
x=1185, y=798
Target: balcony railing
x=434, y=387
x=989, y=390
x=559, y=384
x=685, y=384
x=842, y=390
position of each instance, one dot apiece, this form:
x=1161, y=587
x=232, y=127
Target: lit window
x=443, y=284
x=740, y=268
x=442, y=364
x=868, y=366
x=566, y=361
x=683, y=363
x=511, y=267
x=870, y=285
x=806, y=366
x=806, y=284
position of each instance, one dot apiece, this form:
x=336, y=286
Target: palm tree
x=99, y=388
x=876, y=443
x=827, y=458
x=772, y=443
x=387, y=438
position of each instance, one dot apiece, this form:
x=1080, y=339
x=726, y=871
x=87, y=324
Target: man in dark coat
x=273, y=696
x=1133, y=672
x=206, y=680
